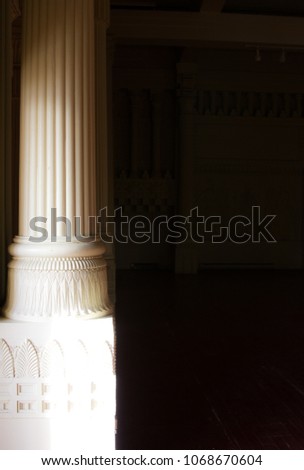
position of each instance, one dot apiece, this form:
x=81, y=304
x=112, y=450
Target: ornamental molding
x=258, y=104
x=48, y=281
x=42, y=288
x=54, y=379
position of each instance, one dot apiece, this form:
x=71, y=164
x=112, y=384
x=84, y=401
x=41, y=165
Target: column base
x=56, y=280
x=57, y=385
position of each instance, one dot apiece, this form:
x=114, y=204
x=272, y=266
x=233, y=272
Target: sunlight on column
x=84, y=397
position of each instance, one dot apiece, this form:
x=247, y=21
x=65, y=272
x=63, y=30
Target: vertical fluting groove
x=92, y=116
x=79, y=112
x=86, y=91
x=41, y=92
x=99, y=119
x=59, y=107
x=63, y=111
x=22, y=166
x=54, y=159
x=45, y=179
x=32, y=157
x=50, y=156
x=104, y=111
x=24, y=124
x=101, y=138
x=53, y=108
x=70, y=111
x=35, y=52
x=96, y=59
x=92, y=129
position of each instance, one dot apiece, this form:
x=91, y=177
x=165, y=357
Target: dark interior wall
x=145, y=144
x=240, y=145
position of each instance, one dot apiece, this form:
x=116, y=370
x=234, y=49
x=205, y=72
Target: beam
x=215, y=6
x=199, y=29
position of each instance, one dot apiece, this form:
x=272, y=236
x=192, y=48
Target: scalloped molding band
x=45, y=288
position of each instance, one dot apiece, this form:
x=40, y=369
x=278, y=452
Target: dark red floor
x=213, y=361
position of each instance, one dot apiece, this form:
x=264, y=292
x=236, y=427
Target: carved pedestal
x=57, y=385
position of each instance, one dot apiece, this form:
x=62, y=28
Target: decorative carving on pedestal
x=7, y=369
x=54, y=378
x=52, y=360
x=27, y=361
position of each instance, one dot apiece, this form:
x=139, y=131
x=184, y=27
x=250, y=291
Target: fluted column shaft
x=57, y=113
x=57, y=276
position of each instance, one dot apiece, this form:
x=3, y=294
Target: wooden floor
x=213, y=361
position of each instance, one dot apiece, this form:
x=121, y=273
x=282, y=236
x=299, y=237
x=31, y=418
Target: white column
x=60, y=276
x=57, y=379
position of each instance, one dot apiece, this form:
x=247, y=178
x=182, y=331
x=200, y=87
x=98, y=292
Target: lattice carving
x=250, y=104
